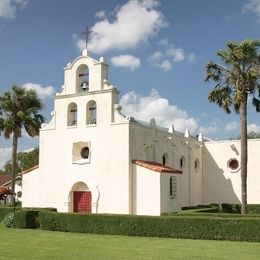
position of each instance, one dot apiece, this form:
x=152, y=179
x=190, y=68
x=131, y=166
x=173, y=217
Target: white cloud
x=22, y=3
x=234, y=125
x=254, y=7
x=211, y=129
x=253, y=128
x=8, y=8
x=80, y=43
x=229, y=17
x=154, y=106
x=177, y=54
x=164, y=65
x=101, y=14
x=168, y=55
x=126, y=61
x=133, y=23
x=43, y=92
x=5, y=155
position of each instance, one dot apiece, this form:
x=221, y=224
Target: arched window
x=72, y=114
x=91, y=112
x=196, y=165
x=165, y=159
x=82, y=79
x=182, y=162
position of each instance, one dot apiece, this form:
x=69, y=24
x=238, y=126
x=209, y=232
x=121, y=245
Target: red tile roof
x=4, y=178
x=4, y=191
x=158, y=167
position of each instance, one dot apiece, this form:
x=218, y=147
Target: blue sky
x=157, y=51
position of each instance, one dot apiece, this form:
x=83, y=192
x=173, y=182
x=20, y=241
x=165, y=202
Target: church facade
x=94, y=159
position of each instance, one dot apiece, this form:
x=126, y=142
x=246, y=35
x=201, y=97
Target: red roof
x=4, y=178
x=4, y=191
x=158, y=167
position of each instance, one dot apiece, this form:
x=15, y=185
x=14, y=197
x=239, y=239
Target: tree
x=236, y=80
x=19, y=110
x=25, y=161
x=250, y=135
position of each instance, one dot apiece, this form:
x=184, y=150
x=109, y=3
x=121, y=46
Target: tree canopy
x=19, y=109
x=235, y=79
x=25, y=161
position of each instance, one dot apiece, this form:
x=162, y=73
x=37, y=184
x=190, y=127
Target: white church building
x=94, y=159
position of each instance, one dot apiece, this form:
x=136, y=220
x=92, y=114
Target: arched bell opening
x=72, y=114
x=82, y=78
x=91, y=112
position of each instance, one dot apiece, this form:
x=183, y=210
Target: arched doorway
x=82, y=198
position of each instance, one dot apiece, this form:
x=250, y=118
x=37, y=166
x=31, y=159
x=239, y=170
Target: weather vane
x=87, y=33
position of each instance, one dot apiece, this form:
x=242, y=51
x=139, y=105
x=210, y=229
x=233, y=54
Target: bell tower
x=85, y=74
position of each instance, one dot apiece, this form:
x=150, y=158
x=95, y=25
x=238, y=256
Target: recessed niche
x=81, y=153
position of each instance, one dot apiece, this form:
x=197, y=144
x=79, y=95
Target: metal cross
x=87, y=33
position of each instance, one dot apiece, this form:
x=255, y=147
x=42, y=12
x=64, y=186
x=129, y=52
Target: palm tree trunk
x=243, y=134
x=14, y=162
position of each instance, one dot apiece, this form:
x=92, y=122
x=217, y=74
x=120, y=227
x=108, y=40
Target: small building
x=5, y=188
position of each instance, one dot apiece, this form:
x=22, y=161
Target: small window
x=81, y=153
x=233, y=165
x=182, y=162
x=165, y=159
x=196, y=165
x=84, y=152
x=173, y=186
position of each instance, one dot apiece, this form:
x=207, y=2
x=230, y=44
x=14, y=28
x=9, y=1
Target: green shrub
x=8, y=220
x=253, y=208
x=188, y=227
x=4, y=210
x=26, y=218
x=49, y=209
x=231, y=208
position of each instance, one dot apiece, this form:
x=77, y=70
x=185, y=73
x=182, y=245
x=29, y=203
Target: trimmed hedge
x=253, y=208
x=28, y=217
x=213, y=228
x=25, y=218
x=4, y=211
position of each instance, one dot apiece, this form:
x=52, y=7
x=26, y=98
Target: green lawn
x=37, y=244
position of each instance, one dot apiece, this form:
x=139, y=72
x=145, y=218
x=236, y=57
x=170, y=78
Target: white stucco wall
x=170, y=203
x=148, y=143
x=222, y=185
x=147, y=191
x=31, y=188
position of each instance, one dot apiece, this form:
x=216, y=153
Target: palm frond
x=221, y=96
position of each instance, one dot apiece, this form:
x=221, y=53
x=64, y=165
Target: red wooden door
x=82, y=201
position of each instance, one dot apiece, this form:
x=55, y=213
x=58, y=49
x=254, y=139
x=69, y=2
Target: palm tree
x=236, y=80
x=19, y=110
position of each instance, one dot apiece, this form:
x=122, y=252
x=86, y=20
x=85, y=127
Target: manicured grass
x=37, y=244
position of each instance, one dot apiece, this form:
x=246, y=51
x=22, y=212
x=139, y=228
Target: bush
x=27, y=219
x=231, y=208
x=253, y=208
x=8, y=220
x=200, y=227
x=4, y=210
